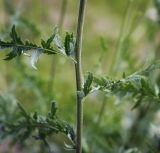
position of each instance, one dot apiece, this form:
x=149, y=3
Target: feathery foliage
x=53, y=45
x=87, y=85
x=37, y=126
x=137, y=85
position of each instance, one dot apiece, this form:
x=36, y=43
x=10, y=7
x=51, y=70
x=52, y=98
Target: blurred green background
x=119, y=36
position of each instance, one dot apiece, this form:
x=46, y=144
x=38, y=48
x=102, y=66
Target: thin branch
x=123, y=33
x=102, y=110
x=79, y=76
x=62, y=14
x=48, y=148
x=54, y=60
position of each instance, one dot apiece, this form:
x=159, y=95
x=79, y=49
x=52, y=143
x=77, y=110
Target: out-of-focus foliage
x=44, y=126
x=18, y=124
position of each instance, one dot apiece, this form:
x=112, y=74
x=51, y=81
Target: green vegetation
x=95, y=90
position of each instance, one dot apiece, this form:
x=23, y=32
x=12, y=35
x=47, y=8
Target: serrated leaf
x=40, y=126
x=24, y=113
x=12, y=54
x=69, y=44
x=137, y=103
x=70, y=133
x=136, y=85
x=15, y=37
x=47, y=44
x=18, y=46
x=53, y=109
x=87, y=85
x=35, y=116
x=152, y=67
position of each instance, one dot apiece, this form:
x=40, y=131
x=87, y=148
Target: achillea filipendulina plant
x=137, y=86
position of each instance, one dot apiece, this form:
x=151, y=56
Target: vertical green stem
x=123, y=33
x=62, y=14
x=54, y=61
x=79, y=76
x=102, y=110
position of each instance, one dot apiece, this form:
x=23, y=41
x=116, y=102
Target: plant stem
x=79, y=76
x=136, y=128
x=47, y=146
x=123, y=34
x=102, y=110
x=62, y=14
x=54, y=60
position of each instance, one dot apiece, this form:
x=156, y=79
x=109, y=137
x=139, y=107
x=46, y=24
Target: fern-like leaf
x=52, y=45
x=87, y=85
x=137, y=85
